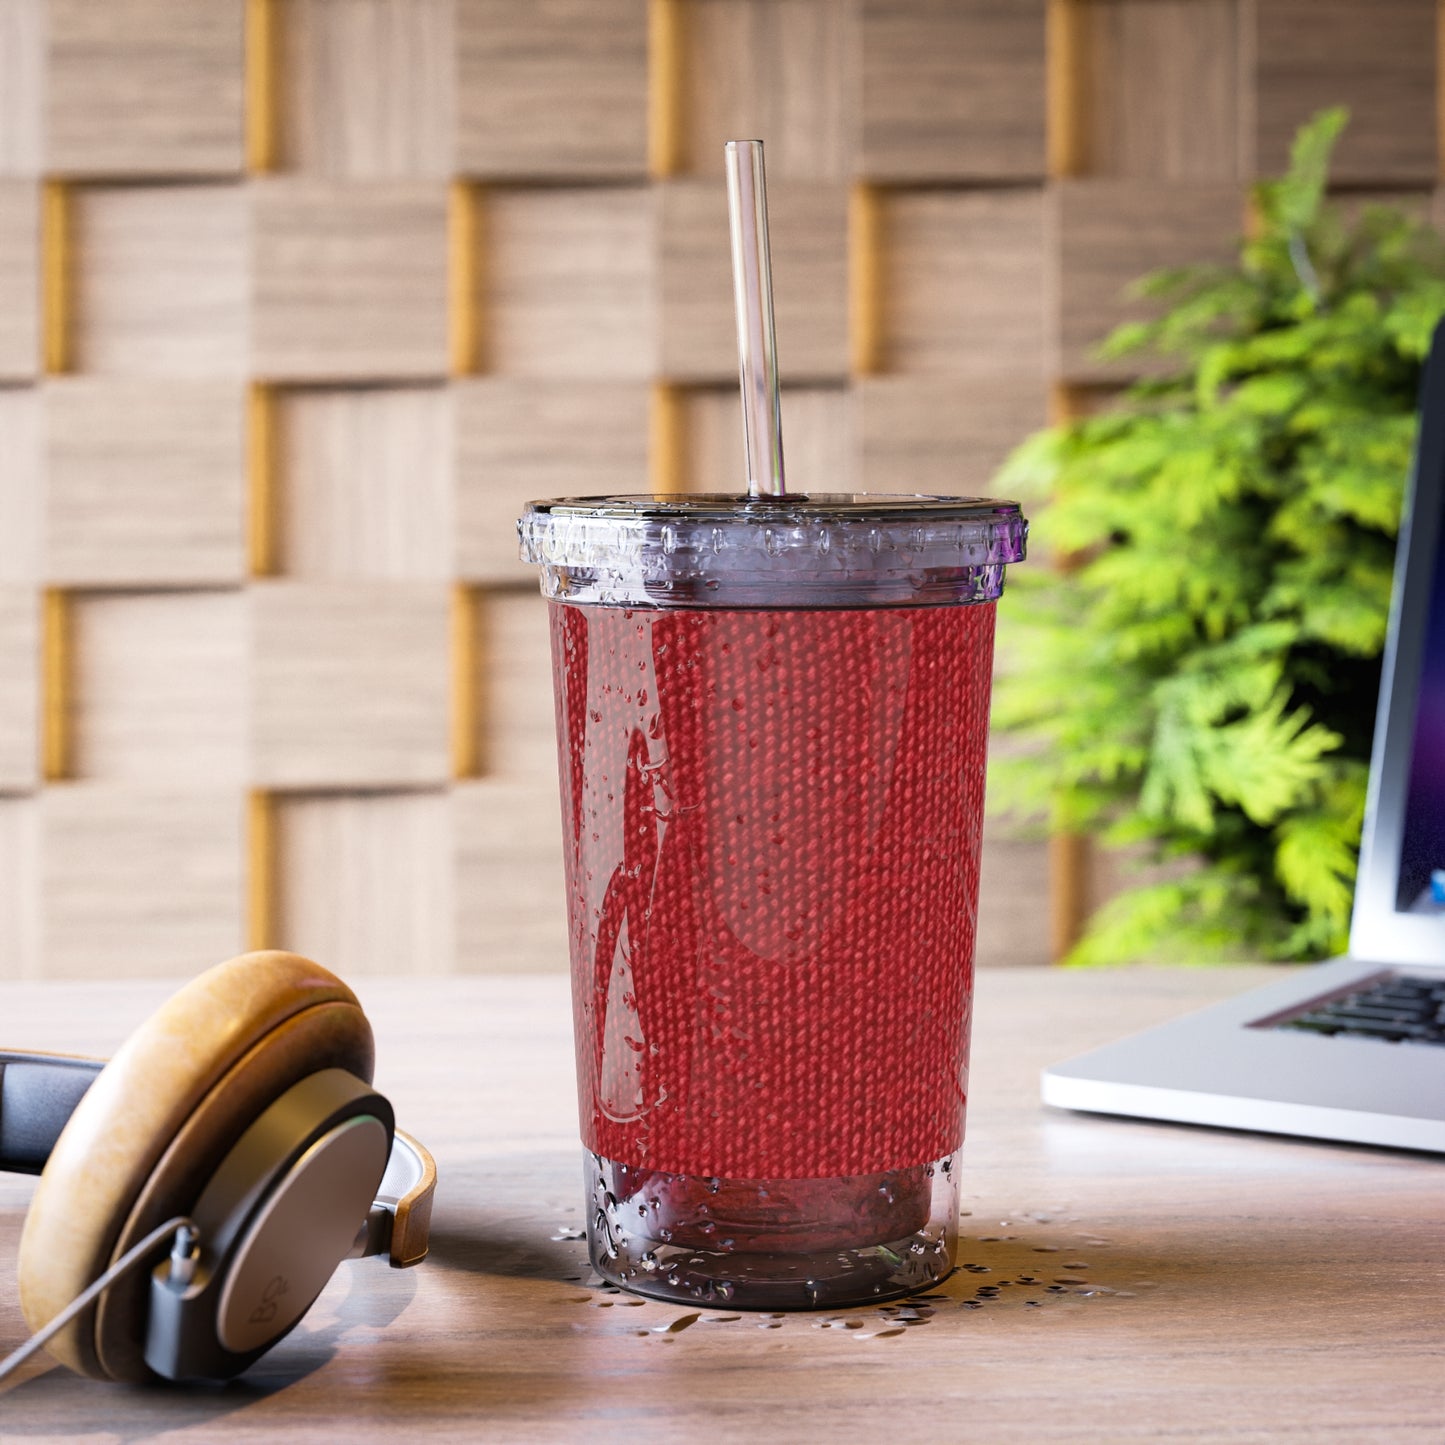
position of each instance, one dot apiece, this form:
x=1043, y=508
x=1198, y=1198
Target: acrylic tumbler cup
x=772, y=718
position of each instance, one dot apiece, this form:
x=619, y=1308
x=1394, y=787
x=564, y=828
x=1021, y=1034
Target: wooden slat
x=367, y=881
x=20, y=280
x=22, y=87
x=366, y=88
x=937, y=434
x=160, y=280
x=138, y=880
x=569, y=283
x=144, y=481
x=364, y=483
x=466, y=258
x=157, y=689
x=778, y=72
x=818, y=439
x=1108, y=234
x=350, y=279
x=261, y=39
x=467, y=661
x=21, y=489
x=263, y=872
x=808, y=225
x=665, y=103
x=518, y=720
x=1379, y=60
x=351, y=684
x=558, y=90
x=20, y=950
x=511, y=908
x=520, y=440
x=952, y=91
x=20, y=666
x=1157, y=89
x=963, y=277
x=144, y=88
x=57, y=678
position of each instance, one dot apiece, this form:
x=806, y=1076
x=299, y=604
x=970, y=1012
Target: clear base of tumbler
x=772, y=1244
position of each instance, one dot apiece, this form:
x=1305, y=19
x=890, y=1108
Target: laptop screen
x=1399, y=912
x=1422, y=845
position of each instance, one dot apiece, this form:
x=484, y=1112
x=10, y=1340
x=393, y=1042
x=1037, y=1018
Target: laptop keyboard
x=1398, y=1008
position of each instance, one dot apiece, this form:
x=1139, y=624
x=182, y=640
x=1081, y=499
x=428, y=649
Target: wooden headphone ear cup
x=155, y=1124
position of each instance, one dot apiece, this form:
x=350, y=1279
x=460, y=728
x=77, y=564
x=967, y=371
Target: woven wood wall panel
x=963, y=283
x=366, y=88
x=369, y=881
x=19, y=279
x=1379, y=59
x=144, y=481
x=569, y=279
x=291, y=327
x=159, y=281
x=20, y=697
x=350, y=279
x=158, y=688
x=521, y=439
x=350, y=684
x=952, y=89
x=143, y=88
x=364, y=483
x=808, y=225
x=137, y=880
x=781, y=69
x=551, y=90
x=1158, y=91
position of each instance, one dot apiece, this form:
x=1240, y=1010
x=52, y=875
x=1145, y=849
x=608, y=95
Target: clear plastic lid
x=824, y=549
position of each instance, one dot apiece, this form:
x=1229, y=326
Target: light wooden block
x=22, y=86
x=365, y=483
x=1379, y=60
x=19, y=887
x=145, y=482
x=19, y=280
x=934, y=434
x=20, y=484
x=552, y=90
x=19, y=688
x=568, y=283
x=776, y=69
x=350, y=684
x=158, y=688
x=1013, y=901
x=366, y=882
x=952, y=89
x=144, y=87
x=350, y=280
x=808, y=226
x=519, y=441
x=511, y=900
x=1107, y=235
x=160, y=280
x=366, y=88
x=519, y=729
x=963, y=283
x=818, y=443
x=140, y=882
x=1158, y=84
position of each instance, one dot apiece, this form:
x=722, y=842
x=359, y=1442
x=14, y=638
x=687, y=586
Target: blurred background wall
x=300, y=299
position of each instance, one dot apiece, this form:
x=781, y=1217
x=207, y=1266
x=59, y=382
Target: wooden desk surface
x=1244, y=1288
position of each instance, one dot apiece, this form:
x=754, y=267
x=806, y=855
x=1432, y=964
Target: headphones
x=244, y=1106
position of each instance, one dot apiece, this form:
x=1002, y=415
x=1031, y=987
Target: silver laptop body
x=1255, y=1062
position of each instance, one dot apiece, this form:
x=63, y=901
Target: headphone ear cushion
x=152, y=1128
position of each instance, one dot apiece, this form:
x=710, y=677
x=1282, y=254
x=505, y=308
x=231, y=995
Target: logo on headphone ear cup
x=282, y=1211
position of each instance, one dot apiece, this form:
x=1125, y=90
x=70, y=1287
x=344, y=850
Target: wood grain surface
x=1218, y=1286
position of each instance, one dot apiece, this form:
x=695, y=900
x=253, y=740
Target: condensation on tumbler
x=772, y=826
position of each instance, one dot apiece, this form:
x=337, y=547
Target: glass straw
x=753, y=299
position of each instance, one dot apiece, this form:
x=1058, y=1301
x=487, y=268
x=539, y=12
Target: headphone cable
x=183, y=1256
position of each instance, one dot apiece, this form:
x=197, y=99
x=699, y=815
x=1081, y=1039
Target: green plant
x=1203, y=680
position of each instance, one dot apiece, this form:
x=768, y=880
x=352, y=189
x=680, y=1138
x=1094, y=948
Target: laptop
x=1353, y=1049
